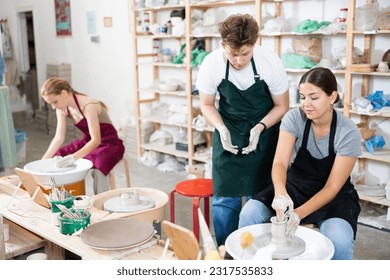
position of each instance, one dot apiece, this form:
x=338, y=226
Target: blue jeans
x=225, y=213
x=337, y=230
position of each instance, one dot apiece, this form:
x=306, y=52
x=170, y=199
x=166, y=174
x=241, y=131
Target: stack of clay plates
x=117, y=234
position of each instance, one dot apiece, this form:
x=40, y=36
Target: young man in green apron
x=252, y=87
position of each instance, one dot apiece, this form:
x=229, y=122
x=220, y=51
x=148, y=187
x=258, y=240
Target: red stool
x=196, y=188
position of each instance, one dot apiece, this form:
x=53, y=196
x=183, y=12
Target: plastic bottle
x=343, y=15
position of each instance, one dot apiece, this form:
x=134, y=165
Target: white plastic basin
x=68, y=176
x=318, y=246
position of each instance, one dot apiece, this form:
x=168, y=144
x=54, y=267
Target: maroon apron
x=308, y=175
x=106, y=155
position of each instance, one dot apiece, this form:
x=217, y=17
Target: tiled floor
x=371, y=243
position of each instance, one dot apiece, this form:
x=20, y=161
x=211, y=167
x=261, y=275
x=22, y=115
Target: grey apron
x=241, y=175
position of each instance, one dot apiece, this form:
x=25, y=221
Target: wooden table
x=22, y=211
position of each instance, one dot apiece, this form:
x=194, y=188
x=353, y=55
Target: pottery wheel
x=114, y=204
x=117, y=234
x=294, y=246
x=54, y=169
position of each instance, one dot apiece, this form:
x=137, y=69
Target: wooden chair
x=184, y=243
x=127, y=174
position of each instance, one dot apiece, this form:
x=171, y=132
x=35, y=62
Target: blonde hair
x=56, y=85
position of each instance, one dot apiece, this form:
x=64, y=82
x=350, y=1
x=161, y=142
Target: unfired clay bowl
x=68, y=176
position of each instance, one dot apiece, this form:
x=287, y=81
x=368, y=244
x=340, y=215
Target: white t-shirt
x=268, y=66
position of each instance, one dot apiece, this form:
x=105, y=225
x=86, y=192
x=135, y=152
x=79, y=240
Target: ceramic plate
x=117, y=234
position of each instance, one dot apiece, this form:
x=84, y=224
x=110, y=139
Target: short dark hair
x=323, y=78
x=239, y=30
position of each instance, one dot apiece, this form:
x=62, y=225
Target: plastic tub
x=70, y=226
x=68, y=203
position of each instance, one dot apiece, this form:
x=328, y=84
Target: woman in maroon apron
x=100, y=143
x=316, y=188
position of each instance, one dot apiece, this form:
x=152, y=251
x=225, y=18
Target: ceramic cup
x=278, y=232
x=81, y=202
x=383, y=67
x=37, y=257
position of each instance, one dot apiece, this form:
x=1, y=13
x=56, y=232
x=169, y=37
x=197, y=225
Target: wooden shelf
x=376, y=200
x=207, y=128
x=168, y=64
x=371, y=32
x=159, y=36
x=160, y=8
x=381, y=155
x=383, y=74
x=384, y=114
x=173, y=93
x=21, y=241
x=366, y=80
x=216, y=3
x=292, y=34
x=164, y=121
x=166, y=149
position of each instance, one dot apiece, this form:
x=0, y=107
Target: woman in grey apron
x=247, y=120
x=317, y=183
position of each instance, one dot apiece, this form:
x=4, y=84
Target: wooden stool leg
x=195, y=216
x=127, y=172
x=112, y=180
x=207, y=211
x=172, y=206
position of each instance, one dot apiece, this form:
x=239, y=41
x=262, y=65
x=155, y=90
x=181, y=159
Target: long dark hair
x=323, y=78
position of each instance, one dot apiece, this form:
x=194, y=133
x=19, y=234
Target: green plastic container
x=67, y=203
x=70, y=226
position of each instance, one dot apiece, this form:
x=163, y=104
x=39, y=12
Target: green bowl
x=68, y=203
x=70, y=226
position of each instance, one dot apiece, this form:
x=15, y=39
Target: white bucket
x=37, y=257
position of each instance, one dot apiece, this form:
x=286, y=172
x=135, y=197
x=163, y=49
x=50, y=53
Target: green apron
x=242, y=175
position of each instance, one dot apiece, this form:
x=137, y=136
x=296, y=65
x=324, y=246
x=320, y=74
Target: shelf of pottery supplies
x=382, y=155
x=384, y=113
x=158, y=91
x=163, y=121
x=169, y=149
x=377, y=200
x=216, y=3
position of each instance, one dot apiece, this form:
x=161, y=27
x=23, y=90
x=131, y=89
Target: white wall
x=102, y=70
x=105, y=70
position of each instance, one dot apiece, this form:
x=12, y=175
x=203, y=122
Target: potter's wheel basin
x=43, y=170
x=318, y=246
x=155, y=214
